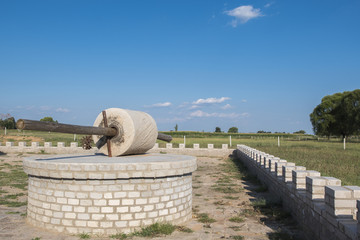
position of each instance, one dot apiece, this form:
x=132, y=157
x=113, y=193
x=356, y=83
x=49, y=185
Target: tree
x=262, y=131
x=176, y=128
x=337, y=114
x=300, y=132
x=348, y=114
x=47, y=119
x=323, y=117
x=218, y=129
x=7, y=121
x=233, y=130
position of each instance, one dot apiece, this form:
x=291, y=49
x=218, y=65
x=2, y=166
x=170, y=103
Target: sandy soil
x=4, y=139
x=206, y=199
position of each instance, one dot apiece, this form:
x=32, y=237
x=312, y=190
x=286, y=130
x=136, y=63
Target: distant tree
x=348, y=114
x=300, y=132
x=323, y=116
x=337, y=114
x=176, y=128
x=262, y=131
x=7, y=121
x=47, y=119
x=233, y=130
x=218, y=129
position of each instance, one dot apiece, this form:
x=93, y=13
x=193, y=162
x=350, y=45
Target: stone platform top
x=97, y=167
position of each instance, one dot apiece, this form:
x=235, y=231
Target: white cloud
x=227, y=106
x=245, y=114
x=244, y=100
x=200, y=113
x=211, y=100
x=268, y=5
x=194, y=107
x=243, y=14
x=164, y=104
x=64, y=110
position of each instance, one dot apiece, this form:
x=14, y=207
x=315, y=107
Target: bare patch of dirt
x=4, y=139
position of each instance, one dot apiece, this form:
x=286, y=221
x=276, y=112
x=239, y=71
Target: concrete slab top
x=100, y=166
x=103, y=159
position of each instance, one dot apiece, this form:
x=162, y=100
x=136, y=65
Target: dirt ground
x=4, y=139
x=227, y=204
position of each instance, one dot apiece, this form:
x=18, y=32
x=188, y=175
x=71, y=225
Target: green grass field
x=323, y=155
x=327, y=157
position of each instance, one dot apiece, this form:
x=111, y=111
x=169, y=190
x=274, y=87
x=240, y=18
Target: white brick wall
x=104, y=206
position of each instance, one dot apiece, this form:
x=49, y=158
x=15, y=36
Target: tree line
x=337, y=115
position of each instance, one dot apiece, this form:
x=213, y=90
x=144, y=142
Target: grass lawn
x=329, y=158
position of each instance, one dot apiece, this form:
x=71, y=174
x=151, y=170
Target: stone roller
x=115, y=131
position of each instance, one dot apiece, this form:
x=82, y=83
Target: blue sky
x=256, y=65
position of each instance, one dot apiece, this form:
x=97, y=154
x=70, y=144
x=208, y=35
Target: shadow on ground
x=268, y=206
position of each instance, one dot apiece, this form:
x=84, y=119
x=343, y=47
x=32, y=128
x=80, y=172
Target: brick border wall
x=323, y=208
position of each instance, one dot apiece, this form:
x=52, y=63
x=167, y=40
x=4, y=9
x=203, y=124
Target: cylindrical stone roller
x=136, y=131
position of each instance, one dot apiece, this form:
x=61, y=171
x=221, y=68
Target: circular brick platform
x=101, y=195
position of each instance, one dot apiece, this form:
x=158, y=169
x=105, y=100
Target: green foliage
x=84, y=236
x=204, y=218
x=300, y=132
x=238, y=237
x=7, y=121
x=120, y=236
x=237, y=219
x=233, y=130
x=337, y=114
x=176, y=128
x=47, y=119
x=218, y=130
x=262, y=131
x=156, y=229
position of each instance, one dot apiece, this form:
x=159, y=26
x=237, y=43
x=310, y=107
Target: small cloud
x=200, y=113
x=227, y=106
x=165, y=104
x=268, y=4
x=194, y=107
x=245, y=114
x=64, y=110
x=211, y=100
x=244, y=100
x=243, y=14
x=228, y=115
